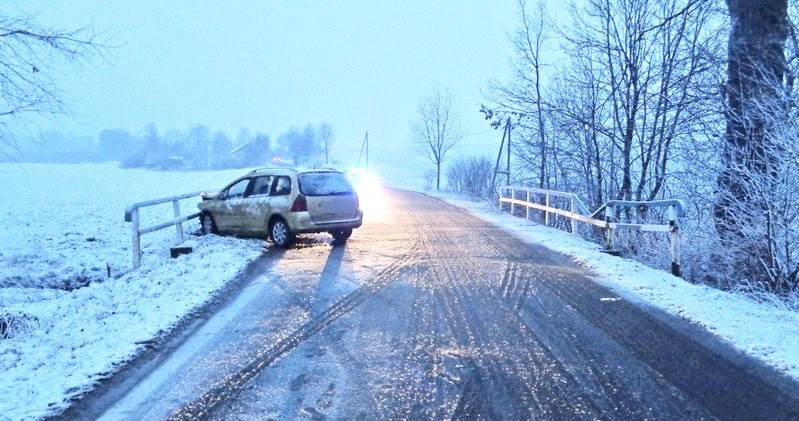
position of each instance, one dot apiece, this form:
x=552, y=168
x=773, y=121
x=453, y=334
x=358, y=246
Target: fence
x=535, y=198
x=132, y=216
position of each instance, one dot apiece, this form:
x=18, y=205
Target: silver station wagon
x=281, y=202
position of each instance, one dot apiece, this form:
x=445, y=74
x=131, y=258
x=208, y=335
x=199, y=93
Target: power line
x=480, y=132
x=470, y=134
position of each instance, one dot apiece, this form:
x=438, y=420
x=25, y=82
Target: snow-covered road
x=430, y=313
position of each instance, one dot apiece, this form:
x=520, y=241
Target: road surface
x=430, y=313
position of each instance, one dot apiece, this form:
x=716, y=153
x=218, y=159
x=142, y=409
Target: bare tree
x=30, y=56
x=471, y=176
x=326, y=135
x=619, y=104
x=523, y=95
x=436, y=128
x=647, y=57
x=584, y=151
x=306, y=146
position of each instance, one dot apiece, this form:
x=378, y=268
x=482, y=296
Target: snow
x=70, y=340
x=63, y=225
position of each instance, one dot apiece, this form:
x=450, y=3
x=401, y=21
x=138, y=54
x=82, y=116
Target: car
x=281, y=202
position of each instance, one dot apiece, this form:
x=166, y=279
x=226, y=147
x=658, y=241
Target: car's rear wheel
x=207, y=224
x=281, y=233
x=341, y=236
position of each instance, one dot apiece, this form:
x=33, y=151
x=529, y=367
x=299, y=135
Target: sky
x=68, y=340
x=359, y=65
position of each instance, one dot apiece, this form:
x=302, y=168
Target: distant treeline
x=198, y=148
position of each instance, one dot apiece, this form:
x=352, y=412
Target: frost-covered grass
x=63, y=227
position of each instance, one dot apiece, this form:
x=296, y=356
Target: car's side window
x=261, y=185
x=237, y=190
x=281, y=186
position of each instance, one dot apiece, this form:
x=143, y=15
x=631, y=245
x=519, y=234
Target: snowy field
x=63, y=227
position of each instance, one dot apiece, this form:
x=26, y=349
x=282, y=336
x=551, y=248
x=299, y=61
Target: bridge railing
x=604, y=217
x=132, y=216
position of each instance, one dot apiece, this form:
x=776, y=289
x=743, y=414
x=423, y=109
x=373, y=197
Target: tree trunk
x=438, y=176
x=755, y=70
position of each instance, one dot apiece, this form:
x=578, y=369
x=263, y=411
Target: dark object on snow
x=675, y=269
x=4, y=328
x=178, y=250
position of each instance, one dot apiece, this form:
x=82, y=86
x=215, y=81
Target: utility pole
x=505, y=134
x=364, y=146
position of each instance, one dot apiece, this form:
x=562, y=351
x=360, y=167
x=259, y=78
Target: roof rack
x=291, y=168
x=274, y=167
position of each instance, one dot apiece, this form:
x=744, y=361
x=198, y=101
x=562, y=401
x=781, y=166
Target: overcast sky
x=271, y=65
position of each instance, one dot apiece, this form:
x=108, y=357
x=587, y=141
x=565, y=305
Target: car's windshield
x=324, y=184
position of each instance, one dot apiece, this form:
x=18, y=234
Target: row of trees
x=198, y=148
x=675, y=98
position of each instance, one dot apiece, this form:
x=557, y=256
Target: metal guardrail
x=579, y=212
x=132, y=216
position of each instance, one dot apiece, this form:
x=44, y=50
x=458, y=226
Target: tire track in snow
x=466, y=300
x=501, y=379
x=203, y=407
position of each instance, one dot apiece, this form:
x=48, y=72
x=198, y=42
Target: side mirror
x=222, y=195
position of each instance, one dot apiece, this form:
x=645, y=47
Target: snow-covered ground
x=63, y=226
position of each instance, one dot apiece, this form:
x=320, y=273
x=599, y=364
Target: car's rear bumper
x=300, y=222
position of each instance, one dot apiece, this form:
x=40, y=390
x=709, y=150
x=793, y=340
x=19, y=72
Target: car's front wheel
x=281, y=233
x=207, y=224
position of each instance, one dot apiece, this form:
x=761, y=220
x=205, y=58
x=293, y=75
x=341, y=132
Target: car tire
x=341, y=236
x=207, y=224
x=280, y=233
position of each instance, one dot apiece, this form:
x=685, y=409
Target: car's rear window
x=324, y=184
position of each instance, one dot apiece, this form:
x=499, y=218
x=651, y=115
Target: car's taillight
x=300, y=204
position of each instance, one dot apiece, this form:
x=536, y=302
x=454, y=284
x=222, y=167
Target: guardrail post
x=527, y=214
x=546, y=214
x=513, y=197
x=608, y=230
x=573, y=221
x=134, y=223
x=501, y=192
x=179, y=225
x=674, y=246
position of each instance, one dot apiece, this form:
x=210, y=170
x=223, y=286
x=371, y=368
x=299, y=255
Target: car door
x=228, y=211
x=281, y=196
x=256, y=206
